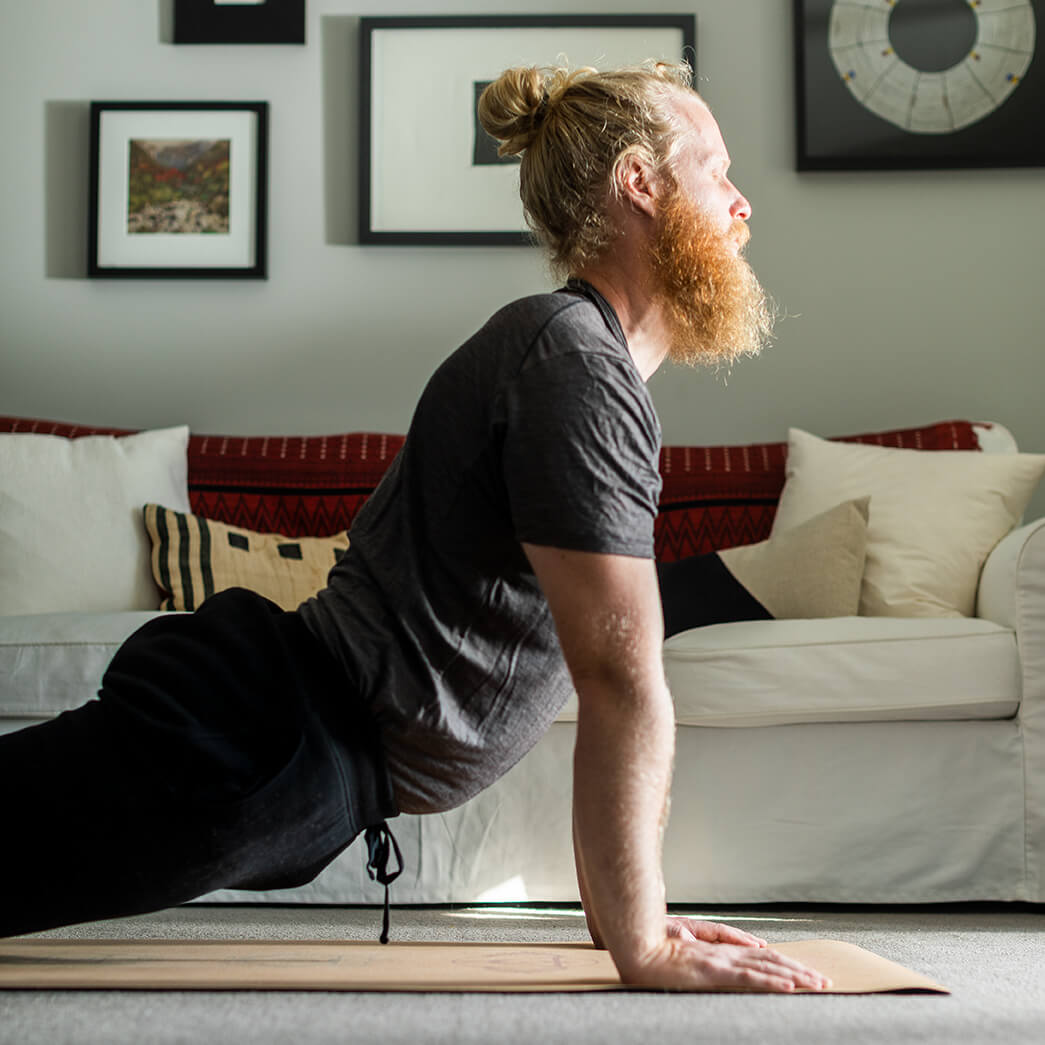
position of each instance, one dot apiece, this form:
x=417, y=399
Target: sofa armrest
x=1012, y=593
x=1012, y=584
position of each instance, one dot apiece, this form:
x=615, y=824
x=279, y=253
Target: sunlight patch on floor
x=729, y=919
x=513, y=888
x=521, y=912
x=518, y=913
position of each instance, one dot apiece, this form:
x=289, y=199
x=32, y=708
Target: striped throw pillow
x=193, y=557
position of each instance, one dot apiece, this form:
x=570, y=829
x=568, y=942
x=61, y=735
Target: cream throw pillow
x=934, y=517
x=193, y=557
x=71, y=538
x=813, y=570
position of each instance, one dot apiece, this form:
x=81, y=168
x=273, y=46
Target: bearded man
x=505, y=560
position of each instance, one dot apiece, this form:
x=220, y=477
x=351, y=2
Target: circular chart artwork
x=864, y=41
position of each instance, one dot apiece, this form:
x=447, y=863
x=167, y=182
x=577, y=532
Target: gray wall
x=911, y=297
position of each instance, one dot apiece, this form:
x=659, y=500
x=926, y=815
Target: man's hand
x=695, y=965
x=722, y=957
x=741, y=954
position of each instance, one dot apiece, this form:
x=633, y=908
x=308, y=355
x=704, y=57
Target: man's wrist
x=631, y=964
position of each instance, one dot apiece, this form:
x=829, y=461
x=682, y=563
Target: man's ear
x=637, y=185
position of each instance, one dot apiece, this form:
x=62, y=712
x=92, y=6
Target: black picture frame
x=265, y=22
x=401, y=186
x=912, y=84
x=151, y=165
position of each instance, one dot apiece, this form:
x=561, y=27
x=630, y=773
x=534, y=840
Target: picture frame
x=904, y=84
x=429, y=175
x=178, y=190
x=239, y=21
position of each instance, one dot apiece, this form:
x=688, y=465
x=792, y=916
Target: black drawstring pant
x=223, y=752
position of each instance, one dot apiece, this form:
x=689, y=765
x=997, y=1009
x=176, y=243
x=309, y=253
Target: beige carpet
x=991, y=957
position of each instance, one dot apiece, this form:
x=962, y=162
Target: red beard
x=715, y=307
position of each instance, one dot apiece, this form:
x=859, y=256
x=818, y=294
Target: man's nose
x=740, y=208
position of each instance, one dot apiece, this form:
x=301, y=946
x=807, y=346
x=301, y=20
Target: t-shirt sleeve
x=580, y=454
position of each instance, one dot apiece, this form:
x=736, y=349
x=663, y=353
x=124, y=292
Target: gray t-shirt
x=538, y=429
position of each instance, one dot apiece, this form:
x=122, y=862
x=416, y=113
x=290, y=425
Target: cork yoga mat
x=338, y=965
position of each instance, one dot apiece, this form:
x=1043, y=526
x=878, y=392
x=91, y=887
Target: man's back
x=538, y=429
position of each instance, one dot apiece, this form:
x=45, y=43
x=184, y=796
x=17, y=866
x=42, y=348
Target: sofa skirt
x=906, y=812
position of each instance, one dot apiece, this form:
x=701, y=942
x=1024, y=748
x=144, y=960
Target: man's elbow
x=615, y=648
x=626, y=685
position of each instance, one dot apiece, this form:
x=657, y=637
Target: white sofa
x=855, y=759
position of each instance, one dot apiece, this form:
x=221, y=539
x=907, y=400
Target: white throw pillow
x=935, y=515
x=71, y=533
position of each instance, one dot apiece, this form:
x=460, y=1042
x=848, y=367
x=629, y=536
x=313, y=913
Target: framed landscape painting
x=429, y=174
x=178, y=190
x=890, y=84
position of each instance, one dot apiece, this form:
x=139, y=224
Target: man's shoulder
x=562, y=336
x=535, y=310
x=553, y=323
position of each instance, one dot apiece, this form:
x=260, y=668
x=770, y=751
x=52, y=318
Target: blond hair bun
x=513, y=107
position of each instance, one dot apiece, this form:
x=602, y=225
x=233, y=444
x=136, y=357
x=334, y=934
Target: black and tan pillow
x=813, y=570
x=193, y=557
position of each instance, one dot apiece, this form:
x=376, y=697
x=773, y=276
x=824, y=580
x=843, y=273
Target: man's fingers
x=715, y=932
x=753, y=980
x=727, y=934
x=753, y=977
x=773, y=963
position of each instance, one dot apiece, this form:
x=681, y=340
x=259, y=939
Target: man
x=671, y=275
x=506, y=557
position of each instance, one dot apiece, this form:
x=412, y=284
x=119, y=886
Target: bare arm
x=608, y=616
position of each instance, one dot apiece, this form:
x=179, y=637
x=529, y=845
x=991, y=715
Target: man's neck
x=637, y=310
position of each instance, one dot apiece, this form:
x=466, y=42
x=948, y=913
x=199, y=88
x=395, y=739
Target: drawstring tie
x=377, y=840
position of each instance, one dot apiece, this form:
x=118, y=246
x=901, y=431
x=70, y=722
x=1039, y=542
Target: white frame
x=417, y=181
x=116, y=252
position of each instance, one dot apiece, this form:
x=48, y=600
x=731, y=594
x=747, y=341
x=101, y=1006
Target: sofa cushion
x=193, y=557
x=848, y=669
x=50, y=662
x=71, y=537
x=934, y=517
x=757, y=673
x=812, y=570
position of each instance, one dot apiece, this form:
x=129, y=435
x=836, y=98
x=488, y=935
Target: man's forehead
x=700, y=129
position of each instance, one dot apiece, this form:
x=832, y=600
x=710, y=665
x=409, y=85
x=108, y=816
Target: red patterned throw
x=713, y=497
